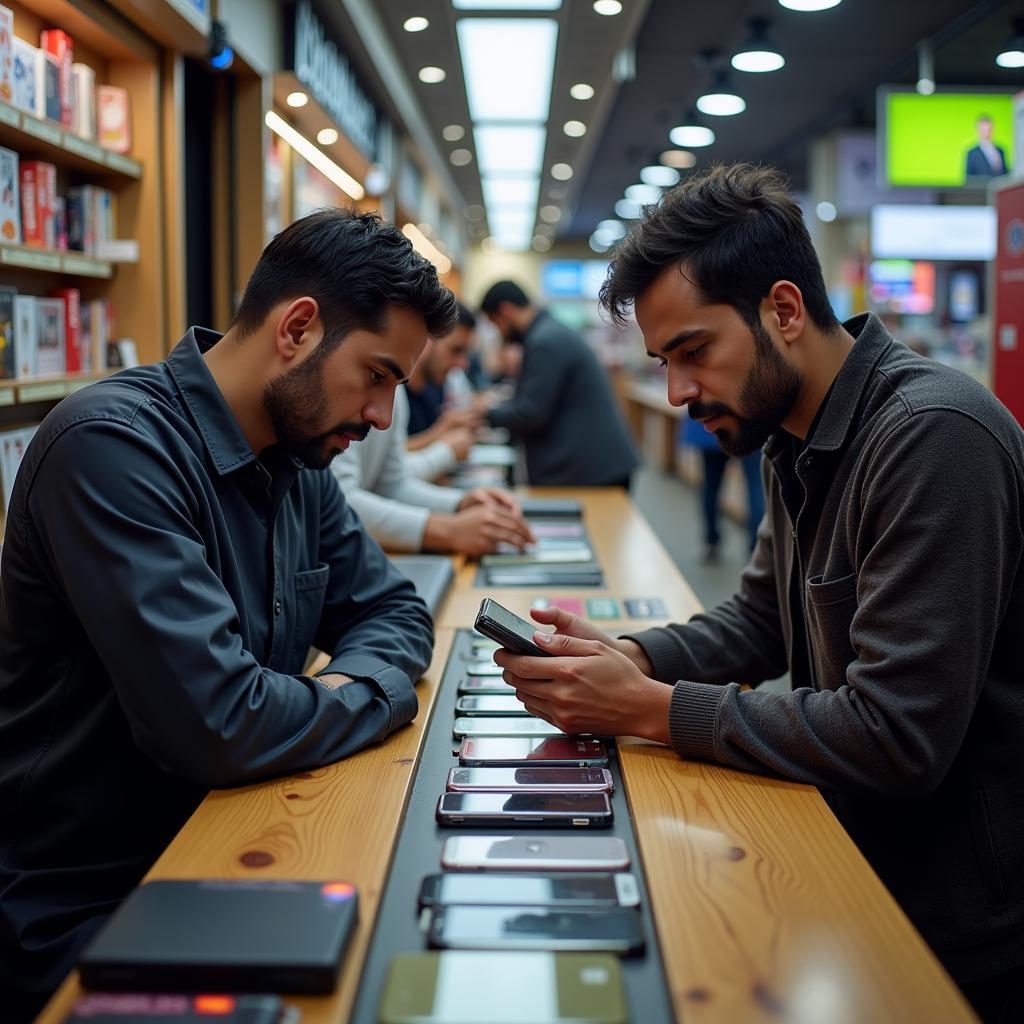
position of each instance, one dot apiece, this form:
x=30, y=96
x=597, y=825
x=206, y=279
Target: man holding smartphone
x=888, y=576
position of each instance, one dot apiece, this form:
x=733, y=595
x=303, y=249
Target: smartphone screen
x=614, y=929
x=588, y=890
x=527, y=726
x=508, y=987
x=535, y=853
x=483, y=668
x=485, y=684
x=553, y=750
x=555, y=809
x=507, y=629
x=502, y=705
x=536, y=780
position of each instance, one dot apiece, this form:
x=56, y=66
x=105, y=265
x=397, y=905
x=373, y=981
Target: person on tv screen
x=986, y=159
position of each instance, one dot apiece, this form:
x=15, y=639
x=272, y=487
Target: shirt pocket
x=309, y=588
x=830, y=609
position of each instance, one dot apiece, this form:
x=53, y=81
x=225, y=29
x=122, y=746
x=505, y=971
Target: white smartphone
x=529, y=853
x=504, y=727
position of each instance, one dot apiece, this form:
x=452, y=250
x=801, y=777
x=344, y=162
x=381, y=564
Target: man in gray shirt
x=563, y=409
x=888, y=575
x=175, y=546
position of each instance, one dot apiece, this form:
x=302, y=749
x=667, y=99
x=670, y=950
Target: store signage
x=329, y=77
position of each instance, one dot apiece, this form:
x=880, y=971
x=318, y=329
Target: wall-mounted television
x=902, y=286
x=926, y=232
x=954, y=138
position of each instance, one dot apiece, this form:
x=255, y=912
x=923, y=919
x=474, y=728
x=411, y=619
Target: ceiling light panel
x=509, y=149
x=508, y=64
x=506, y=5
x=505, y=192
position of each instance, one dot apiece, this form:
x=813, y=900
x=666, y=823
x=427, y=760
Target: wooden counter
x=765, y=910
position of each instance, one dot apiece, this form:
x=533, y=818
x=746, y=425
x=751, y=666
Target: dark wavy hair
x=355, y=266
x=735, y=230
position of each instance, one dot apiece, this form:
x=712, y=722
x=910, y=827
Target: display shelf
x=31, y=137
x=54, y=261
x=46, y=389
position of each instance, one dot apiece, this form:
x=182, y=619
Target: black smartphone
x=548, y=752
x=530, y=779
x=541, y=810
x=567, y=890
x=559, y=929
x=491, y=705
x=177, y=1008
x=513, y=633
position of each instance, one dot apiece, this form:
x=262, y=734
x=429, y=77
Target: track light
x=759, y=53
x=721, y=99
x=1012, y=54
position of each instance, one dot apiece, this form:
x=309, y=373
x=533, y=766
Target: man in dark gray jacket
x=563, y=409
x=175, y=545
x=887, y=575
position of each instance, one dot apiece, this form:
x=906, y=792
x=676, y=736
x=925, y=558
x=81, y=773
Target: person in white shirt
x=405, y=513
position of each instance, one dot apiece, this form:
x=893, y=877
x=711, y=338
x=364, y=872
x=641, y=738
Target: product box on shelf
x=13, y=444
x=97, y=331
x=61, y=47
x=6, y=55
x=27, y=61
x=10, y=197
x=26, y=316
x=112, y=118
x=8, y=362
x=50, y=337
x=83, y=103
x=39, y=203
x=77, y=356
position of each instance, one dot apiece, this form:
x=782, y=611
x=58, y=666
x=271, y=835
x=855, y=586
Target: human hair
x=734, y=230
x=466, y=318
x=503, y=291
x=355, y=266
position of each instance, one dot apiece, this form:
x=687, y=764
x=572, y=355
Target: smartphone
x=541, y=810
x=496, y=705
x=530, y=780
x=504, y=727
x=483, y=668
x=559, y=929
x=513, y=633
x=509, y=987
x=485, y=684
x=176, y=1008
x=530, y=853
x=568, y=890
x=548, y=752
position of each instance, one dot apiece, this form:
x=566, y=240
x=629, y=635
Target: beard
x=768, y=394
x=297, y=406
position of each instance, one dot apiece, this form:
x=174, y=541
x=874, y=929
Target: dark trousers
x=999, y=999
x=715, y=461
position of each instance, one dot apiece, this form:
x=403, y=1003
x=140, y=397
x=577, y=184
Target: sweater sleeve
x=431, y=462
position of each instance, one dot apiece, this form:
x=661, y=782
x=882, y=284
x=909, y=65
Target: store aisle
x=673, y=509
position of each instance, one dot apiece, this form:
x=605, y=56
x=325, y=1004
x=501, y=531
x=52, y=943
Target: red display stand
x=1008, y=297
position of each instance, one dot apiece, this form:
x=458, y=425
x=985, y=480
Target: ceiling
x=835, y=60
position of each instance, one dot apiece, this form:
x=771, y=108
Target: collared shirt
x=161, y=588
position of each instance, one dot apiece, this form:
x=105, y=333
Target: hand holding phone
x=501, y=625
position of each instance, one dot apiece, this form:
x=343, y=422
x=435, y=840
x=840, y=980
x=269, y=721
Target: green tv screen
x=945, y=140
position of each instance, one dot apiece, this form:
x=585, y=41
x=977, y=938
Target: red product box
x=78, y=356
x=38, y=182
x=60, y=45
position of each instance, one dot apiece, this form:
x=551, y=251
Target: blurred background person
x=563, y=409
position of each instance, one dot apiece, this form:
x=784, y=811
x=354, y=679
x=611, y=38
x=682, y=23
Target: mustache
x=705, y=410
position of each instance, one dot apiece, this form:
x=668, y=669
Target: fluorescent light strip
x=426, y=248
x=502, y=192
x=327, y=167
x=512, y=151
x=508, y=64
x=506, y=5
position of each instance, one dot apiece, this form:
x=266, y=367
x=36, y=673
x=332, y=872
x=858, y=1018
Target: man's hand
x=588, y=686
x=567, y=624
x=493, y=496
x=460, y=440
x=477, y=530
x=459, y=419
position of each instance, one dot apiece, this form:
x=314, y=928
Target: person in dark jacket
x=888, y=576
x=563, y=409
x=175, y=546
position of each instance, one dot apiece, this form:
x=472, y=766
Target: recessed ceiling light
x=541, y=243
x=826, y=212
x=645, y=195
x=627, y=209
x=415, y=24
x=809, y=5
x=432, y=75
x=607, y=7
x=659, y=175
x=297, y=99
x=460, y=157
x=598, y=244
x=558, y=193
x=551, y=214
x=574, y=129
x=694, y=135
x=327, y=136
x=581, y=91
x=677, y=158
x=452, y=132
x=561, y=172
